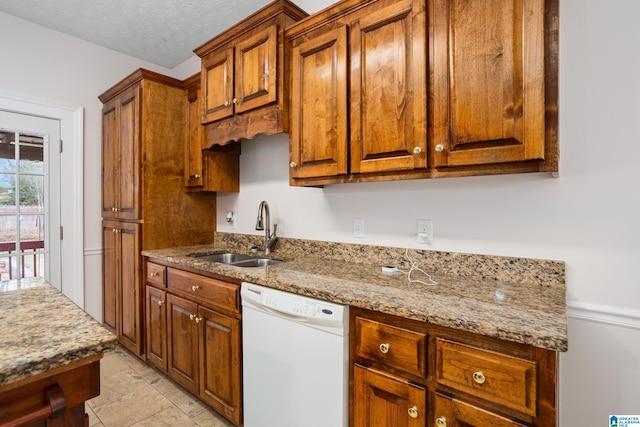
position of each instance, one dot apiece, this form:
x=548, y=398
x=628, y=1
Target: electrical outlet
x=425, y=231
x=358, y=227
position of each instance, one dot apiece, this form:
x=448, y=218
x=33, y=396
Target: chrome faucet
x=269, y=239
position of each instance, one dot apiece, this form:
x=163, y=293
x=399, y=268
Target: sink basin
x=226, y=258
x=238, y=260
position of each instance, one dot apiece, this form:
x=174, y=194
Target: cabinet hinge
x=61, y=232
x=61, y=147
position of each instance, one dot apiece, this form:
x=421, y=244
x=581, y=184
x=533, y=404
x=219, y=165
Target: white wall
x=587, y=217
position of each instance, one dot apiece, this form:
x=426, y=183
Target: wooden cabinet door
x=110, y=274
x=182, y=342
x=121, y=155
x=318, y=134
x=383, y=400
x=221, y=367
x=156, y=327
x=255, y=70
x=487, y=80
x=217, y=85
x=387, y=51
x=110, y=161
x=450, y=412
x=194, y=133
x=131, y=326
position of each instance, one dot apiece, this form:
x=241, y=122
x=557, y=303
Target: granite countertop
x=527, y=307
x=41, y=330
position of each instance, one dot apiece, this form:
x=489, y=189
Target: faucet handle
x=275, y=228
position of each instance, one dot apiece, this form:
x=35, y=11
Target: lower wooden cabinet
x=193, y=328
x=449, y=412
x=383, y=400
x=410, y=373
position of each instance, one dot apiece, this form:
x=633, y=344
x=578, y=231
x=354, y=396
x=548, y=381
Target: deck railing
x=27, y=249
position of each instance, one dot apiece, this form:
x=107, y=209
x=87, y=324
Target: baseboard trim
x=614, y=316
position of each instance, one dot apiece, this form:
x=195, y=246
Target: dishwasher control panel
x=315, y=313
x=295, y=305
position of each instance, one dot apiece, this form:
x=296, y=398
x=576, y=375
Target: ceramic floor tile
x=132, y=407
x=170, y=417
x=134, y=394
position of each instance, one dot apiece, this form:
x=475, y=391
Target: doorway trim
x=72, y=134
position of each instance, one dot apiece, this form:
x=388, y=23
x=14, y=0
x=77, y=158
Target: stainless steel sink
x=239, y=260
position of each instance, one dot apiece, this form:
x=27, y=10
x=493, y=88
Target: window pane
x=31, y=230
x=31, y=193
x=7, y=233
x=33, y=264
x=7, y=152
x=7, y=193
x=31, y=153
x=7, y=263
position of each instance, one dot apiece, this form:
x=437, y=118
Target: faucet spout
x=269, y=239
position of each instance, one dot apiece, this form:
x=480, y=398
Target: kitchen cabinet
x=383, y=400
x=243, y=90
x=488, y=81
x=401, y=89
x=195, y=321
x=373, y=68
x=428, y=375
x=122, y=291
x=144, y=205
x=156, y=316
x=215, y=169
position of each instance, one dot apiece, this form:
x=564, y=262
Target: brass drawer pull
x=417, y=150
x=160, y=303
x=413, y=412
x=439, y=148
x=441, y=422
x=478, y=377
x=384, y=348
x=154, y=274
x=195, y=288
x=195, y=318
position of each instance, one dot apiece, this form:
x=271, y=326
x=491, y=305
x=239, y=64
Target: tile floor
x=133, y=394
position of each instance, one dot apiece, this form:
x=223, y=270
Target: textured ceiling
x=163, y=32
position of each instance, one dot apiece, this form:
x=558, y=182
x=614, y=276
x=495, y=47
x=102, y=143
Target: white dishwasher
x=295, y=359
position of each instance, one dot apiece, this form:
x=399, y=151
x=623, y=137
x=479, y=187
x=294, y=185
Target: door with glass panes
x=29, y=203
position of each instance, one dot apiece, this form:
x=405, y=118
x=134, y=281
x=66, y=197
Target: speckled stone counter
x=515, y=299
x=42, y=330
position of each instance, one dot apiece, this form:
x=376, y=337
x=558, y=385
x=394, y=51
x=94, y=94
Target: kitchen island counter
x=514, y=299
x=41, y=329
x=50, y=354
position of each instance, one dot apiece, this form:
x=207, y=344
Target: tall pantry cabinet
x=144, y=205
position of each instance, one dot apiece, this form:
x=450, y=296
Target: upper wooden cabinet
x=402, y=89
x=358, y=90
x=215, y=169
x=488, y=81
x=242, y=75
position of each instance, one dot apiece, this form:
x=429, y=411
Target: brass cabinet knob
x=195, y=288
x=384, y=348
x=417, y=150
x=293, y=165
x=235, y=100
x=195, y=318
x=439, y=148
x=113, y=209
x=160, y=303
x=196, y=176
x=413, y=412
x=226, y=103
x=441, y=422
x=478, y=377
x=153, y=274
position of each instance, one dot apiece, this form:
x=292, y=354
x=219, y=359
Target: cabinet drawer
x=215, y=292
x=156, y=274
x=495, y=377
x=392, y=346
